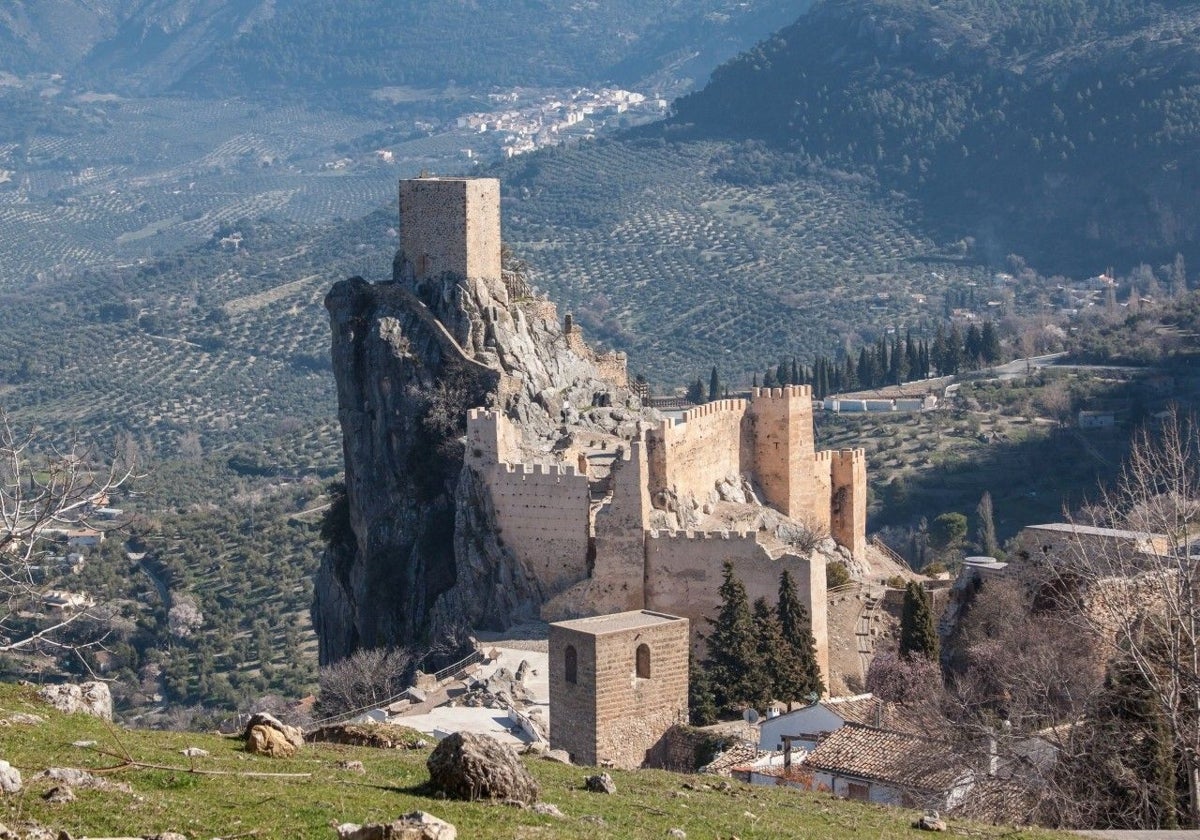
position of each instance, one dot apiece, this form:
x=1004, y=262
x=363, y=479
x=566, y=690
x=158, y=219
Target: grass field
x=170, y=797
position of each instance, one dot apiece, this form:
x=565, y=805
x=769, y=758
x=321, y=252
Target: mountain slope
x=1065, y=130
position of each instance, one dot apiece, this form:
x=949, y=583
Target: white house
x=803, y=728
x=886, y=767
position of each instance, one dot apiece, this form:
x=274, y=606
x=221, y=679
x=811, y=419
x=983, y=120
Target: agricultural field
x=659, y=255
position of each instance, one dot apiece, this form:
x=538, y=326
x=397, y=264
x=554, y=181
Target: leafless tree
x=44, y=489
x=363, y=680
x=1139, y=591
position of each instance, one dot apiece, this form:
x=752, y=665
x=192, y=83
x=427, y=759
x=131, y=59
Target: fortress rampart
x=684, y=574
x=585, y=535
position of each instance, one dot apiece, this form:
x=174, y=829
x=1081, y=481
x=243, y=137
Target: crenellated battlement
x=851, y=456
x=824, y=456
x=728, y=536
x=540, y=469
x=787, y=392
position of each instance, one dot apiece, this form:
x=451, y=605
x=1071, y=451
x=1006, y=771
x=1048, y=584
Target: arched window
x=571, y=664
x=643, y=661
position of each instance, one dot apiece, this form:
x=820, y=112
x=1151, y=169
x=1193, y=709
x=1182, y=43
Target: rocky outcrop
x=90, y=698
x=414, y=553
x=469, y=766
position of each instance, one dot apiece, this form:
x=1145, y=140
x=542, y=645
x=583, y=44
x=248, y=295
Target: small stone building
x=617, y=683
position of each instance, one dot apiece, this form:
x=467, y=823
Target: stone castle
x=498, y=468
x=643, y=516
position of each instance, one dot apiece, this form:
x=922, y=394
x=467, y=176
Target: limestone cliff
x=420, y=554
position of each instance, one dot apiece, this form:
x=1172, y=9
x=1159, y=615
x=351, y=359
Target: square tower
x=617, y=683
x=451, y=225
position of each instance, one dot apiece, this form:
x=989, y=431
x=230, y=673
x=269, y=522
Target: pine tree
x=918, y=637
x=732, y=652
x=796, y=627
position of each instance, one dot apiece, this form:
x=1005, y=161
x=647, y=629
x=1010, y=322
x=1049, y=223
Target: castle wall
x=451, y=225
x=618, y=571
x=610, y=714
x=822, y=478
x=848, y=500
x=691, y=456
x=782, y=439
x=541, y=509
x=684, y=574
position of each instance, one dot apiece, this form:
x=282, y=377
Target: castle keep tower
x=783, y=451
x=617, y=683
x=451, y=225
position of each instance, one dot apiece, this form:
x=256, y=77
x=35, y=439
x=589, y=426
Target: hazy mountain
x=307, y=46
x=1064, y=130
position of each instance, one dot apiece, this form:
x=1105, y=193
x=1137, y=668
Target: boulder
x=600, y=783
x=548, y=810
x=10, y=778
x=265, y=740
x=59, y=795
x=89, y=698
x=931, y=821
x=470, y=766
x=291, y=734
x=415, y=826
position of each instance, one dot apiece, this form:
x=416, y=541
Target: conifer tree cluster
x=918, y=635
x=892, y=362
x=755, y=655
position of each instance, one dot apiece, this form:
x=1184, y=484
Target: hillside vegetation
x=1066, y=131
x=171, y=797
x=304, y=49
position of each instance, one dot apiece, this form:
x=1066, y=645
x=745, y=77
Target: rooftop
x=1092, y=531
x=599, y=625
x=886, y=756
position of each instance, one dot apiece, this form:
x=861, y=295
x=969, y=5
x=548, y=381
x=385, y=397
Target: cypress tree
x=702, y=703
x=714, y=385
x=772, y=652
x=991, y=343
x=796, y=627
x=796, y=378
x=918, y=636
x=732, y=652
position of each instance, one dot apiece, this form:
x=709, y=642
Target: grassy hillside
x=169, y=797
x=1064, y=131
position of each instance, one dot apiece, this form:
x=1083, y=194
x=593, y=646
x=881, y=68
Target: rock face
x=90, y=698
x=469, y=766
x=414, y=552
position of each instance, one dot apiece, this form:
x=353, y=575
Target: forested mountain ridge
x=304, y=47
x=1067, y=131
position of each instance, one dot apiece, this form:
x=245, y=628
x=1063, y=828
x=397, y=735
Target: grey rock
x=561, y=756
x=89, y=698
x=10, y=778
x=678, y=833
x=59, y=794
x=352, y=766
x=469, y=766
x=417, y=825
x=548, y=810
x=600, y=783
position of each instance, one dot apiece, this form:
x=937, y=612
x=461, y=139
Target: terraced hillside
x=661, y=254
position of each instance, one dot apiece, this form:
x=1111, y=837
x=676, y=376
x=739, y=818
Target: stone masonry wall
x=684, y=572
x=451, y=225
x=633, y=713
x=848, y=507
x=783, y=449
x=541, y=509
x=542, y=517
x=691, y=456
x=573, y=724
